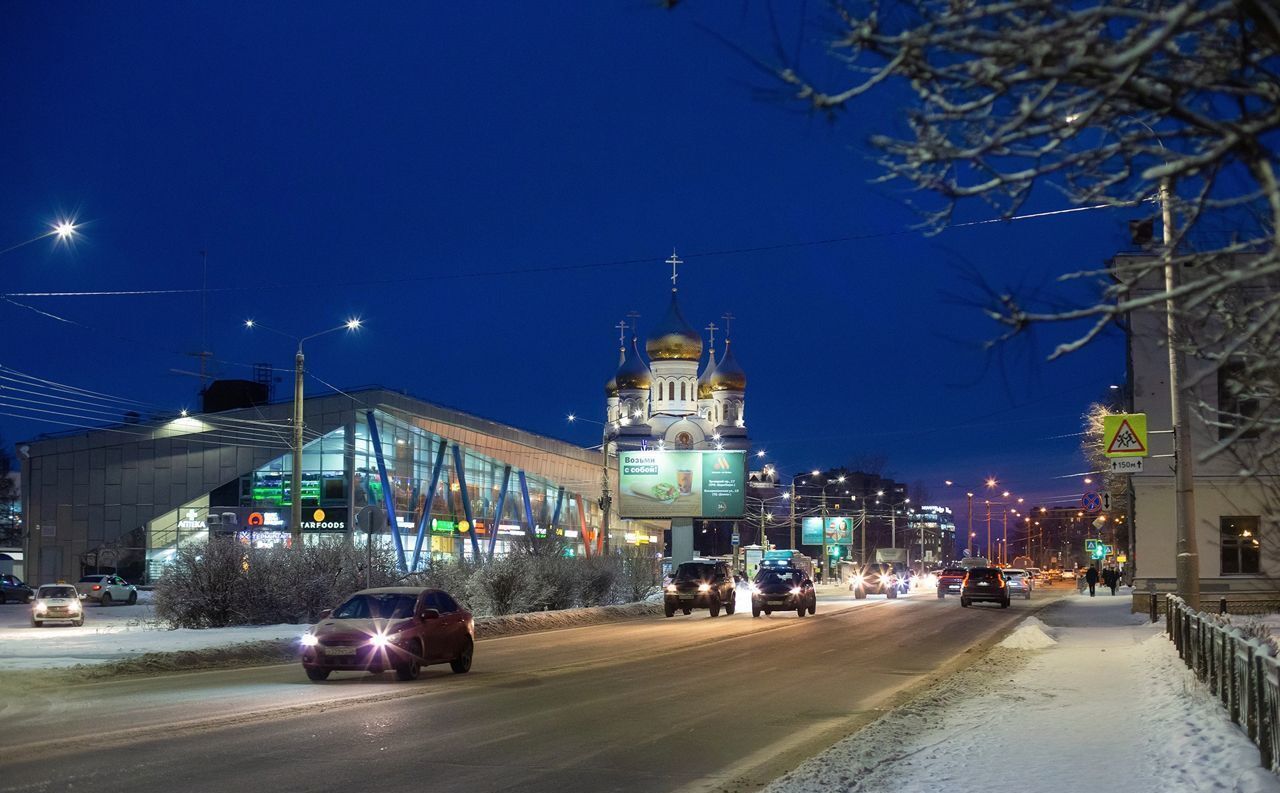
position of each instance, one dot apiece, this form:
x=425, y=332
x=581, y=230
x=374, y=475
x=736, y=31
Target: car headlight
x=309, y=640
x=73, y=606
x=671, y=587
x=704, y=587
x=41, y=608
x=379, y=640
x=795, y=590
x=858, y=580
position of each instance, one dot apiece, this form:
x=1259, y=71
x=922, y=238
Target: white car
x=107, y=589
x=57, y=603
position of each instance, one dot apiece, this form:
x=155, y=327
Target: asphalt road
x=688, y=703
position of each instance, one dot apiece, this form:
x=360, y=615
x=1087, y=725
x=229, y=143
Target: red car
x=950, y=581
x=400, y=628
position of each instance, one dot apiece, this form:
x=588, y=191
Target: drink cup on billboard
x=684, y=481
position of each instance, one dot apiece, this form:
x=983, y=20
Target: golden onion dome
x=673, y=339
x=611, y=387
x=704, y=379
x=632, y=372
x=728, y=376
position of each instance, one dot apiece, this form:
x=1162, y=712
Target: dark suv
x=984, y=585
x=782, y=589
x=700, y=584
x=880, y=579
x=13, y=590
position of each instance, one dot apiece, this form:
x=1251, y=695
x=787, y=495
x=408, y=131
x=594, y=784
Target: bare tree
x=1105, y=102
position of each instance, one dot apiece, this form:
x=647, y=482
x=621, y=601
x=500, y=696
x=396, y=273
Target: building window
x=1240, y=544
x=1235, y=407
x=681, y=390
x=671, y=390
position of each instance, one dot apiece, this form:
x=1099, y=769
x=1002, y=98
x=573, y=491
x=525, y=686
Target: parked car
x=782, y=589
x=107, y=589
x=399, y=628
x=700, y=584
x=13, y=590
x=57, y=603
x=949, y=581
x=880, y=579
x=1019, y=582
x=984, y=585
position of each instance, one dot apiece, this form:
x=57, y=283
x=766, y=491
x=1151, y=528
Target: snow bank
x=144, y=645
x=1031, y=634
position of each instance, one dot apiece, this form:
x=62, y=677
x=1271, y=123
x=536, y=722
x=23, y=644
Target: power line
x=536, y=270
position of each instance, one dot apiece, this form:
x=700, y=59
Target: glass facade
x=340, y=477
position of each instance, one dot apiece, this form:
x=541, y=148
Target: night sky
x=492, y=187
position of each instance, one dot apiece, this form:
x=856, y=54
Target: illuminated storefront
x=188, y=478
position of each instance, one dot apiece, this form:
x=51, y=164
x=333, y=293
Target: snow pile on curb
x=1031, y=634
x=513, y=624
x=147, y=647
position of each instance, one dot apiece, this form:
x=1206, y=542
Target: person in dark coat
x=1091, y=577
x=1111, y=577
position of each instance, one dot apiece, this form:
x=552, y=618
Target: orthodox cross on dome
x=634, y=316
x=712, y=328
x=622, y=334
x=673, y=261
x=728, y=322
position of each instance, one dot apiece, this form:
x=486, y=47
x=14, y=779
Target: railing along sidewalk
x=1243, y=673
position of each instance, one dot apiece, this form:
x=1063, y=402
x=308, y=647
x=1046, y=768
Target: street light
x=295, y=495
x=63, y=231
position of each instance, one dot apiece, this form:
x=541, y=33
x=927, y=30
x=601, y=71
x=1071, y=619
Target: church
x=667, y=402
x=676, y=399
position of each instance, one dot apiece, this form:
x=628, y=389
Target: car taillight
x=96, y=587
x=1001, y=580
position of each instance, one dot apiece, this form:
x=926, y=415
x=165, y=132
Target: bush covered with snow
x=222, y=582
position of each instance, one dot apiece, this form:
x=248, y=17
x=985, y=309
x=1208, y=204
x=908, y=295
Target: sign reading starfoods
x=681, y=484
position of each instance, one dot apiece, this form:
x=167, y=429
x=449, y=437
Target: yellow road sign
x=1125, y=435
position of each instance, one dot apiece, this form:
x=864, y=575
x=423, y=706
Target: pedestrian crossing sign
x=1124, y=435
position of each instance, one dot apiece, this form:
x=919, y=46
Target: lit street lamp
x=63, y=231
x=295, y=494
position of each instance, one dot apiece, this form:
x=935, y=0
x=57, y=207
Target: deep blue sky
x=342, y=160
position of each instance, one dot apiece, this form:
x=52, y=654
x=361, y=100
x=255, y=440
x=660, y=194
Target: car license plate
x=686, y=597
x=339, y=651
x=775, y=602
x=983, y=583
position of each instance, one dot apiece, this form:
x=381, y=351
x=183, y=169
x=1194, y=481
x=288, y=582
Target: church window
x=682, y=391
x=671, y=390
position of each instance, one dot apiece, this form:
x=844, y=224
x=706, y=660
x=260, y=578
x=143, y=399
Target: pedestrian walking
x=1091, y=577
x=1111, y=577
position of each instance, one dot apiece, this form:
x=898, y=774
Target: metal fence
x=1243, y=673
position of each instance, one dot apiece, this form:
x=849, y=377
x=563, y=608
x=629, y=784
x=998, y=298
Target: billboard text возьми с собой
x=681, y=484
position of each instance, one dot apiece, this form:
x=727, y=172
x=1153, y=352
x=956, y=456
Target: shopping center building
x=449, y=483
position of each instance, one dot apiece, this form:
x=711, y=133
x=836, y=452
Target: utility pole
x=295, y=496
x=988, y=548
x=1188, y=555
x=862, y=554
x=793, y=512
x=970, y=541
x=826, y=562
x=1004, y=552
x=606, y=498
x=764, y=541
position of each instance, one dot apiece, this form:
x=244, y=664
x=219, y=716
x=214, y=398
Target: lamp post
x=63, y=231
x=295, y=487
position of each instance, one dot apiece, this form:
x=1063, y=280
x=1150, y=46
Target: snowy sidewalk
x=1088, y=696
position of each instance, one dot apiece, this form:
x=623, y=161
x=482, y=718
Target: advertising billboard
x=839, y=531
x=662, y=483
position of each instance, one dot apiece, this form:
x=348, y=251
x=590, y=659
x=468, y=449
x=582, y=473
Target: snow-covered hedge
x=222, y=583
